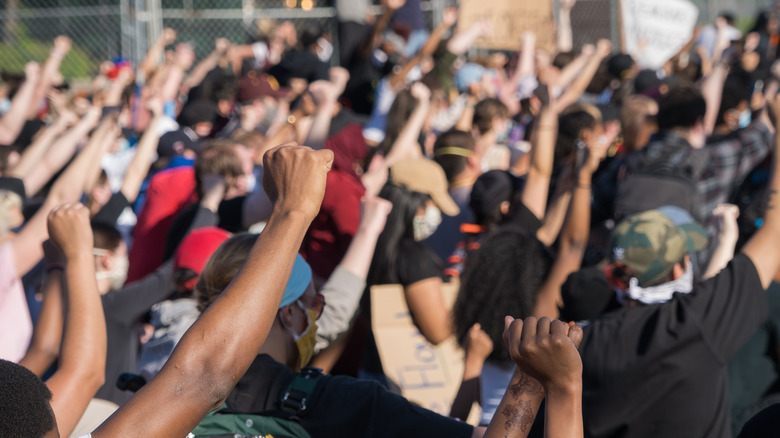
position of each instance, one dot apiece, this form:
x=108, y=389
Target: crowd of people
x=187, y=246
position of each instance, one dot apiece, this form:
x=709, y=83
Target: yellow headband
x=452, y=150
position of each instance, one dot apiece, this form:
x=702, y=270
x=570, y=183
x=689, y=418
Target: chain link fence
x=106, y=29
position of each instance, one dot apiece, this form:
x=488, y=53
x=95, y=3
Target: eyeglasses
x=316, y=303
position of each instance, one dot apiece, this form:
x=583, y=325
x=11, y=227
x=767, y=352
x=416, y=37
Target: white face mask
x=118, y=275
x=745, y=118
x=426, y=224
x=325, y=50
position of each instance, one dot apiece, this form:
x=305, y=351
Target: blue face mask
x=745, y=119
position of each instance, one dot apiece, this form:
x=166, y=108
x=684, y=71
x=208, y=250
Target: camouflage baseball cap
x=652, y=242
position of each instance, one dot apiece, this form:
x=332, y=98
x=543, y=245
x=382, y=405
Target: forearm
x=469, y=390
x=517, y=410
x=32, y=156
x=57, y=155
x=574, y=92
x=357, y=259
x=534, y=195
x=712, y=90
x=572, y=70
x=563, y=412
x=83, y=357
x=565, y=43
x=406, y=146
x=318, y=132
x=45, y=344
x=194, y=380
x=574, y=236
x=12, y=122
x=724, y=252
x=200, y=71
x=553, y=220
x=170, y=86
x=462, y=41
x=342, y=293
x=50, y=69
x=139, y=166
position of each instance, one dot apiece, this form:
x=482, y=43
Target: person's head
x=350, y=151
x=25, y=409
x=638, y=121
x=99, y=194
x=417, y=188
x=469, y=79
x=491, y=115
x=501, y=278
x=652, y=252
x=454, y=152
x=259, y=95
x=491, y=197
x=231, y=160
x=681, y=110
x=574, y=126
x=11, y=205
x=734, y=112
x=199, y=116
x=193, y=253
x=291, y=339
x=111, y=260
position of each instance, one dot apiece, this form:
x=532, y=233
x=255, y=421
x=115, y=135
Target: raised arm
x=537, y=184
x=153, y=56
x=195, y=380
x=563, y=30
x=51, y=70
x=343, y=302
x=82, y=363
x=575, y=90
x=448, y=20
x=67, y=188
x=196, y=76
x=326, y=94
x=61, y=151
x=12, y=121
x=33, y=155
x=762, y=247
x=574, y=237
x=406, y=145
x=47, y=337
x=144, y=153
x=726, y=238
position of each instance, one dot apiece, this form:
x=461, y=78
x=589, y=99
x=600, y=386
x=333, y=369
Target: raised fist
x=70, y=231
x=294, y=178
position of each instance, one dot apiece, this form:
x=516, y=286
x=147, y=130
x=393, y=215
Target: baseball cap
x=196, y=249
x=424, y=176
x=652, y=242
x=467, y=75
x=175, y=142
x=255, y=85
x=300, y=277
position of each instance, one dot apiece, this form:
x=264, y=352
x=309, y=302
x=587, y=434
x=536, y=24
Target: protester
x=406, y=117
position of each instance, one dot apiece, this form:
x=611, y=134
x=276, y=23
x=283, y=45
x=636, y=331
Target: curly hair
x=501, y=278
x=24, y=406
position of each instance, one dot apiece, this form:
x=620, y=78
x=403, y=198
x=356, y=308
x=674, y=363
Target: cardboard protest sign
x=427, y=375
x=654, y=31
x=508, y=20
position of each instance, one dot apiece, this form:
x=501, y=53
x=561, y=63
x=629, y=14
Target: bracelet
x=55, y=267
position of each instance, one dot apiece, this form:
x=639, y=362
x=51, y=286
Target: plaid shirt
x=732, y=158
x=728, y=160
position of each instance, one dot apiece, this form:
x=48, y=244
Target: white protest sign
x=655, y=30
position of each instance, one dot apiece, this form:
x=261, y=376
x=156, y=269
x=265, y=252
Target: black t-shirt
x=416, y=261
x=660, y=370
x=342, y=406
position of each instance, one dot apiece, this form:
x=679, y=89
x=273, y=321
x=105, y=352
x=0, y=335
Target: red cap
x=196, y=249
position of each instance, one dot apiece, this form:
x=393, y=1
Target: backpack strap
x=294, y=399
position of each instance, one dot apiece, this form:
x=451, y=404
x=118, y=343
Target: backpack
x=657, y=179
x=279, y=423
